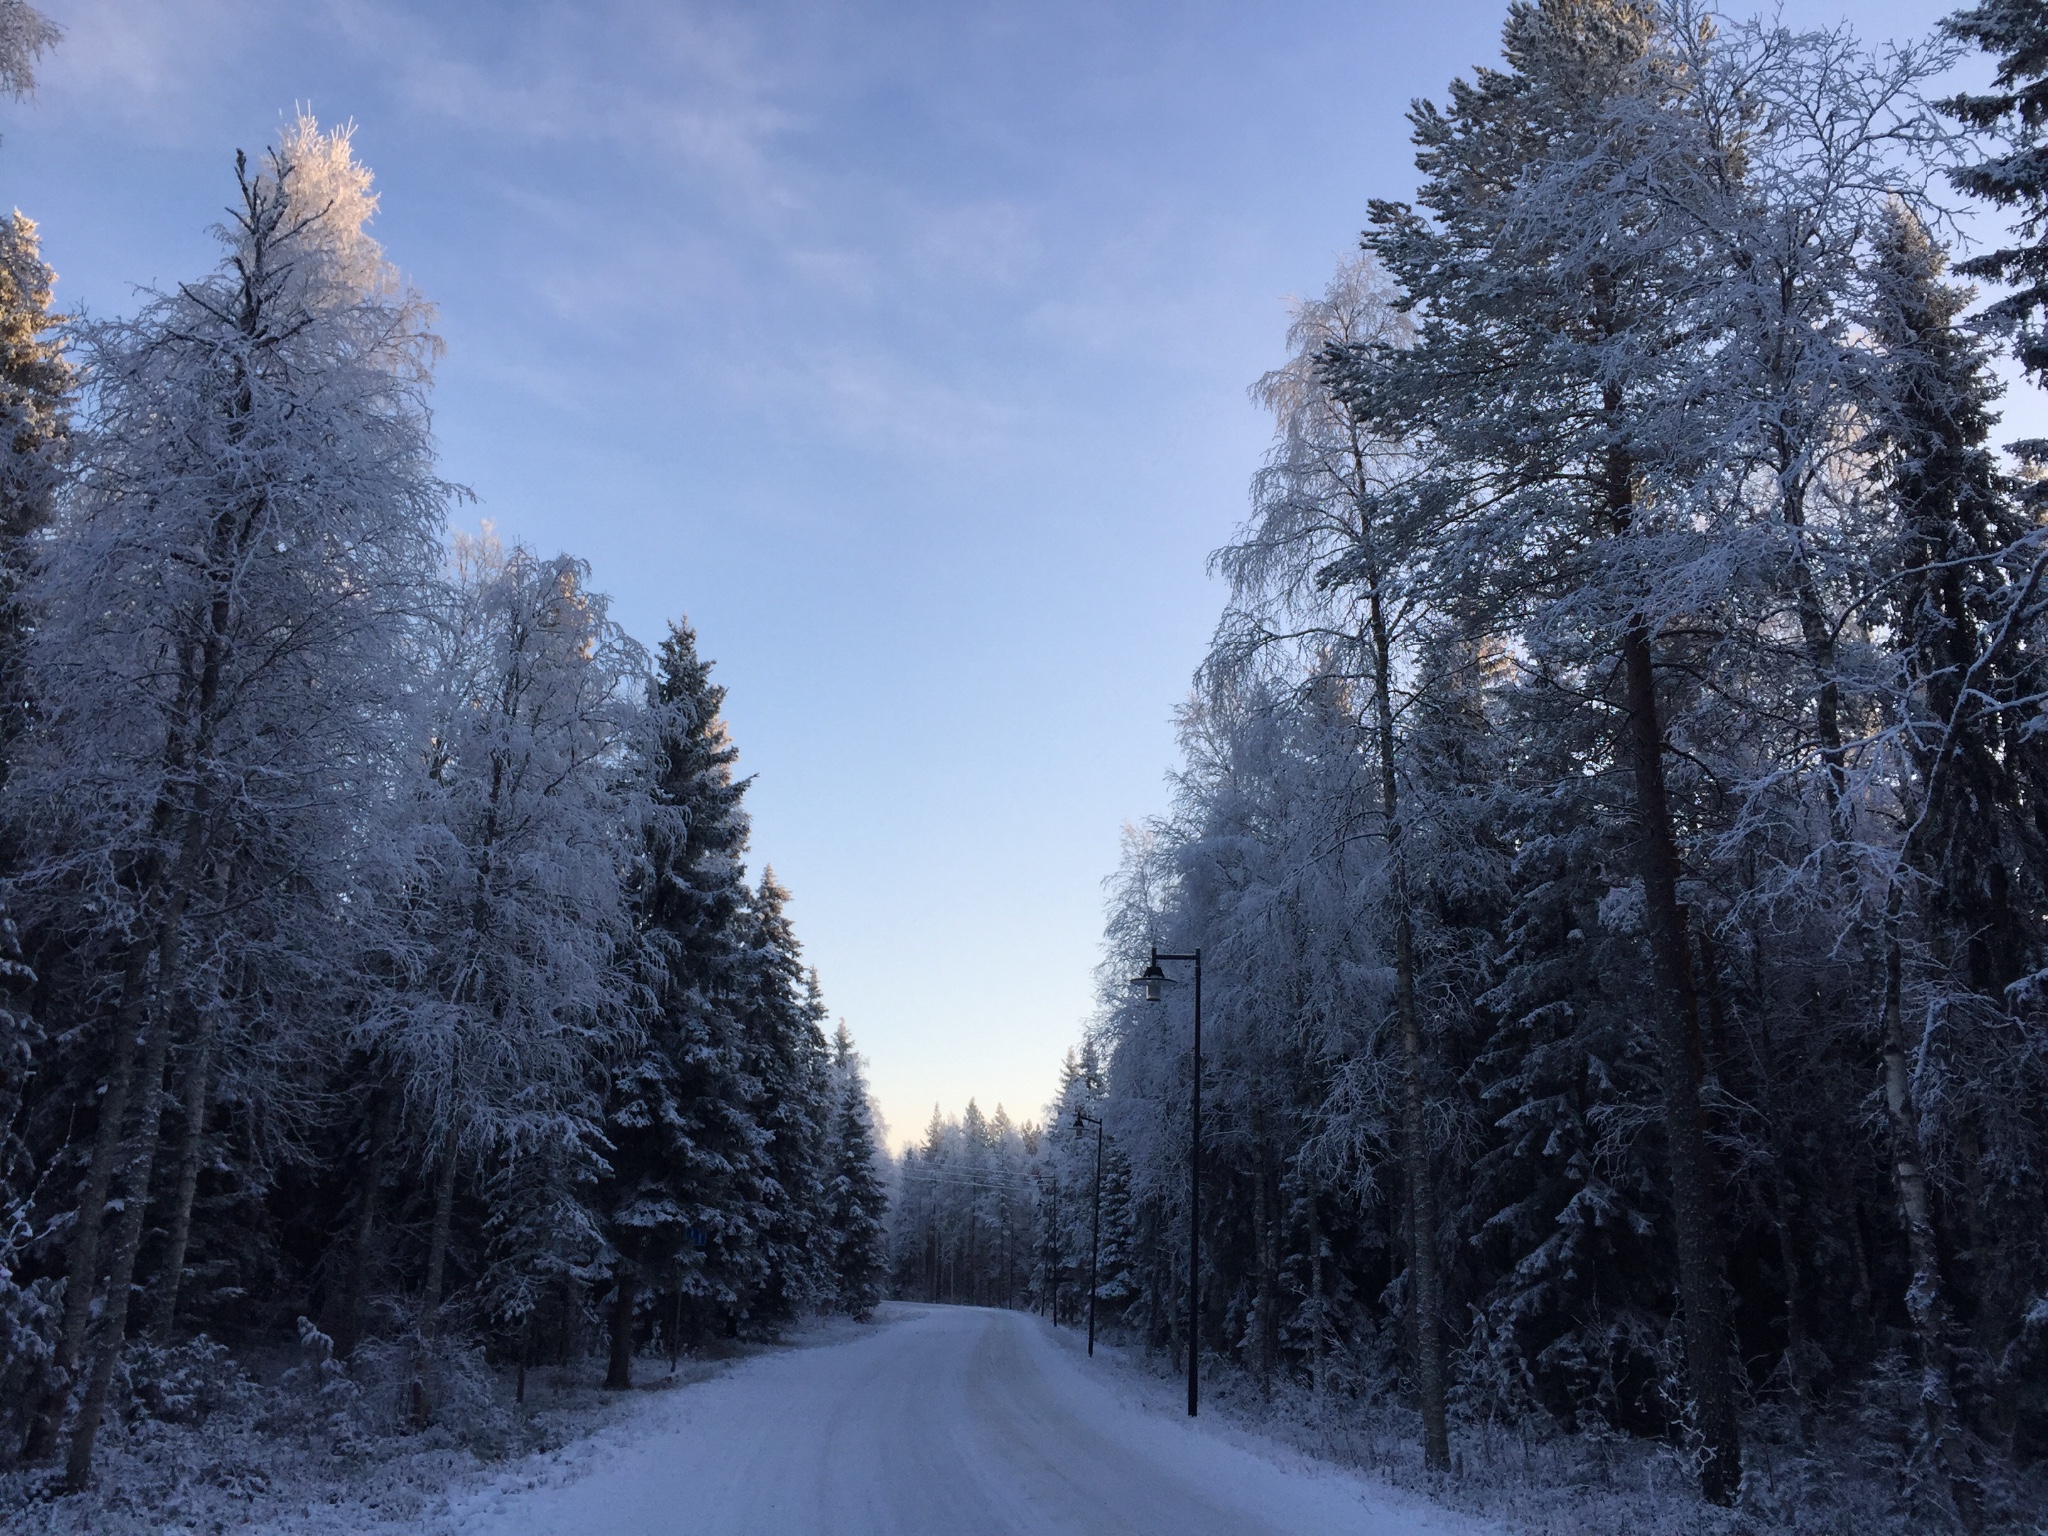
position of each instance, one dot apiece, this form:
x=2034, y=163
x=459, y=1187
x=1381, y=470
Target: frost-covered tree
x=966, y=1212
x=1551, y=282
x=782, y=1019
x=35, y=394
x=1334, y=558
x=382, y=916
x=26, y=34
x=856, y=1203
x=35, y=398
x=1711, y=617
x=2012, y=116
x=222, y=614
x=686, y=1198
x=509, y=946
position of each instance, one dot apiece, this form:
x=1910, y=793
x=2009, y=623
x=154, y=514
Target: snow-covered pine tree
x=686, y=1196
x=857, y=1205
x=1549, y=284
x=28, y=1315
x=219, y=654
x=782, y=1016
x=35, y=403
x=543, y=1243
x=965, y=1223
x=35, y=395
x=913, y=1217
x=2011, y=117
x=1967, y=599
x=1966, y=602
x=35, y=398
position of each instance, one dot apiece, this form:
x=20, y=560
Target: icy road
x=946, y=1421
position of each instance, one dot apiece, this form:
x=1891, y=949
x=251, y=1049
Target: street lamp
x=1153, y=980
x=1095, y=1229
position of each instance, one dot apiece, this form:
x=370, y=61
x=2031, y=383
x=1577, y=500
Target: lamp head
x=1152, y=979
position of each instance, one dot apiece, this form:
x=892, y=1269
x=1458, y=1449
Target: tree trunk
x=1266, y=1218
x=363, y=1238
x=1925, y=1302
x=1795, y=1312
x=526, y=1354
x=198, y=1083
x=82, y=1261
x=1426, y=1288
x=1685, y=1130
x=1819, y=637
x=113, y=1324
x=1319, y=1337
x=437, y=1246
x=620, y=1377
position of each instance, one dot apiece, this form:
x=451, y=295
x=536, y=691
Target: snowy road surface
x=946, y=1421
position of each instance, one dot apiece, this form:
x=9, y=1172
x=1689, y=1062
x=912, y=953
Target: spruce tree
x=1965, y=602
x=35, y=395
x=1965, y=598
x=856, y=1202
x=783, y=1016
x=35, y=390
x=686, y=1196
x=2014, y=112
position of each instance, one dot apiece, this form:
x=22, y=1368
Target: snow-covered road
x=946, y=1421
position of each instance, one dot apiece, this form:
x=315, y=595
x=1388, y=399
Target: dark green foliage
x=787, y=1058
x=687, y=1195
x=855, y=1203
x=2013, y=114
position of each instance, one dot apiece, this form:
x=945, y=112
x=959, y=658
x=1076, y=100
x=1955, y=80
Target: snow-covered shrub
x=435, y=1385
x=318, y=1396
x=181, y=1383
x=28, y=1330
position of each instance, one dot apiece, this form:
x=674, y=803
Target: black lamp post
x=1095, y=1228
x=1153, y=980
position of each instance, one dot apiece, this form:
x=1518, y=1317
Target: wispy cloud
x=678, y=90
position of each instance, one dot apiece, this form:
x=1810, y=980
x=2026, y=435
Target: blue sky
x=901, y=346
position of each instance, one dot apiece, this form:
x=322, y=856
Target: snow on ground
x=945, y=1420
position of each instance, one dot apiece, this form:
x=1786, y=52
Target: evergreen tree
x=782, y=1016
x=35, y=390
x=686, y=1198
x=543, y=1246
x=1966, y=601
x=2014, y=112
x=35, y=397
x=857, y=1205
x=1550, y=283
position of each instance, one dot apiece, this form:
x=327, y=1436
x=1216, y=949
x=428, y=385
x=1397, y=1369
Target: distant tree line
x=380, y=960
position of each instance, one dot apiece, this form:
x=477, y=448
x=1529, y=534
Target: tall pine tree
x=855, y=1200
x=783, y=1017
x=687, y=1194
x=2014, y=111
